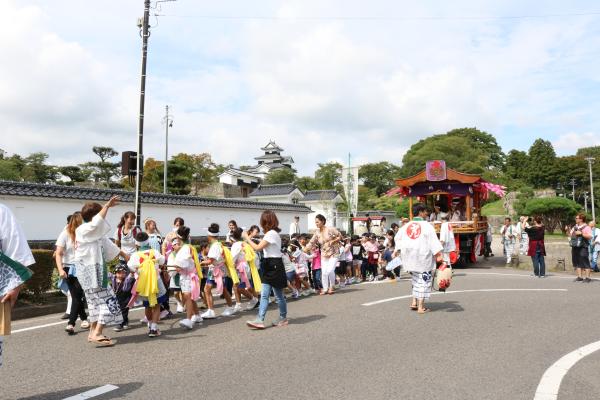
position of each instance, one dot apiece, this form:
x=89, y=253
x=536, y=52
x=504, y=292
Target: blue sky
x=322, y=78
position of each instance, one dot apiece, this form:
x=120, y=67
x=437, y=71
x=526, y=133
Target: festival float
x=456, y=194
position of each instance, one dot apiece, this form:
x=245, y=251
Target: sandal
x=103, y=342
x=70, y=329
x=414, y=308
x=423, y=311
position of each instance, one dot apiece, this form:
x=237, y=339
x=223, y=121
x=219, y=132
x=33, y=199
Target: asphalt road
x=491, y=344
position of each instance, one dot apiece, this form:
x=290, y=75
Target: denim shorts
x=162, y=299
x=291, y=276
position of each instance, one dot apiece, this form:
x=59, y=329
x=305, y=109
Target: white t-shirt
x=13, y=242
x=273, y=249
x=67, y=244
x=215, y=252
x=127, y=239
x=185, y=260
x=418, y=243
x=237, y=252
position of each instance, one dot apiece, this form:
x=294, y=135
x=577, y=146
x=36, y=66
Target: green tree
x=104, y=170
x=380, y=176
x=329, y=176
x=541, y=159
x=466, y=150
x=556, y=212
x=37, y=170
x=9, y=171
x=75, y=173
x=306, y=183
x=282, y=175
x=517, y=165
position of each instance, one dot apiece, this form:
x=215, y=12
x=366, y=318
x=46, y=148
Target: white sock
x=154, y=326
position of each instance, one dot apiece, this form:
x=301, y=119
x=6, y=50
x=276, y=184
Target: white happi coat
x=418, y=244
x=447, y=238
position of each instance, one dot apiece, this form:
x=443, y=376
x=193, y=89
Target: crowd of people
x=249, y=269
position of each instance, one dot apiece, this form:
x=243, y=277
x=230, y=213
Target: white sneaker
x=228, y=312
x=180, y=308
x=251, y=304
x=237, y=308
x=164, y=314
x=197, y=319
x=186, y=323
x=209, y=314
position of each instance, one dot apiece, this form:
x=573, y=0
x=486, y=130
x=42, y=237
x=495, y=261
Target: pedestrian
x=447, y=239
x=316, y=270
x=122, y=282
x=65, y=263
x=273, y=271
x=295, y=226
x=125, y=235
x=243, y=256
x=329, y=240
x=594, y=246
x=146, y=262
x=370, y=257
x=232, y=225
x=15, y=257
x=177, y=223
x=537, y=249
x=217, y=273
x=419, y=249
x=580, y=236
x=508, y=234
x=67, y=313
x=522, y=234
x=185, y=259
x=173, y=281
x=94, y=249
x=155, y=241
x=487, y=252
x=357, y=258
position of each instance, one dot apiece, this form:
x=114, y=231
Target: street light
x=590, y=160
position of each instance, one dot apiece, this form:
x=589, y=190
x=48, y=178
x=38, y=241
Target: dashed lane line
x=373, y=303
x=93, y=393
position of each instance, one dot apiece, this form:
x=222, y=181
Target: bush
x=556, y=212
x=41, y=281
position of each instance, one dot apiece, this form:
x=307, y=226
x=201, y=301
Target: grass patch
x=493, y=208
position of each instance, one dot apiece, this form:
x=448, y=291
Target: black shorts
x=580, y=257
x=341, y=270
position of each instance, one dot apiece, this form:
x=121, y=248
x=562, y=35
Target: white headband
x=216, y=234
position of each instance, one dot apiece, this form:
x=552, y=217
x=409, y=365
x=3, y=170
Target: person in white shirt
x=295, y=226
x=436, y=214
x=447, y=238
x=273, y=274
x=92, y=251
x=508, y=233
x=419, y=249
x=65, y=263
x=13, y=244
x=238, y=254
x=522, y=235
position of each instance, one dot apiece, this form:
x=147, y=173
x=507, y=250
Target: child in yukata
x=122, y=283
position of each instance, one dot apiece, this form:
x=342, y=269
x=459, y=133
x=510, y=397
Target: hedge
x=41, y=281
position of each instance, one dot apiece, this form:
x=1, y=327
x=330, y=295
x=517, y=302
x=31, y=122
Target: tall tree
x=282, y=175
x=542, y=158
x=517, y=165
x=380, y=176
x=329, y=175
x=104, y=170
x=306, y=183
x=37, y=170
x=484, y=142
x=75, y=173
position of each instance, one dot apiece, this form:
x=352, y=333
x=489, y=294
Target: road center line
x=373, y=303
x=552, y=378
x=93, y=393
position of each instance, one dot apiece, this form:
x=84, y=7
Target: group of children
x=160, y=268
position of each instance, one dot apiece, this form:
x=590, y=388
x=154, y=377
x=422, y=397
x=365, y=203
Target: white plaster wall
x=44, y=218
x=327, y=209
x=229, y=179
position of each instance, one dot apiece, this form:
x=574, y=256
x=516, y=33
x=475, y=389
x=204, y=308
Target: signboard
x=435, y=170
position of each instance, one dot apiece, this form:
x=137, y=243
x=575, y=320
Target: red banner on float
x=435, y=170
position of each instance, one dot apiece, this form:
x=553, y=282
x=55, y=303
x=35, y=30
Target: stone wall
x=558, y=255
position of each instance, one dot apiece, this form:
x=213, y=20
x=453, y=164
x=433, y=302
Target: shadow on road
x=306, y=320
x=447, y=306
x=123, y=390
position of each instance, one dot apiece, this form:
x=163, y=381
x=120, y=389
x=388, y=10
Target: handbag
x=578, y=241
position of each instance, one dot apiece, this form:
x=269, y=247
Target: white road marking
x=33, y=328
x=509, y=274
x=373, y=303
x=552, y=378
x=93, y=393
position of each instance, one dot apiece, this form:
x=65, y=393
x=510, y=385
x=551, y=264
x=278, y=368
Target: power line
x=382, y=18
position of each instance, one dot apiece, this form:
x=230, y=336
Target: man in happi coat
x=15, y=256
x=419, y=249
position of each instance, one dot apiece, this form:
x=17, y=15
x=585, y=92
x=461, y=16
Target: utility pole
x=572, y=182
x=168, y=120
x=585, y=197
x=145, y=32
x=349, y=196
x=590, y=160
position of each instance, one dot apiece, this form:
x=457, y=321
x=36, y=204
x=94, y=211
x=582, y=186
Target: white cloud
x=320, y=88
x=568, y=143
